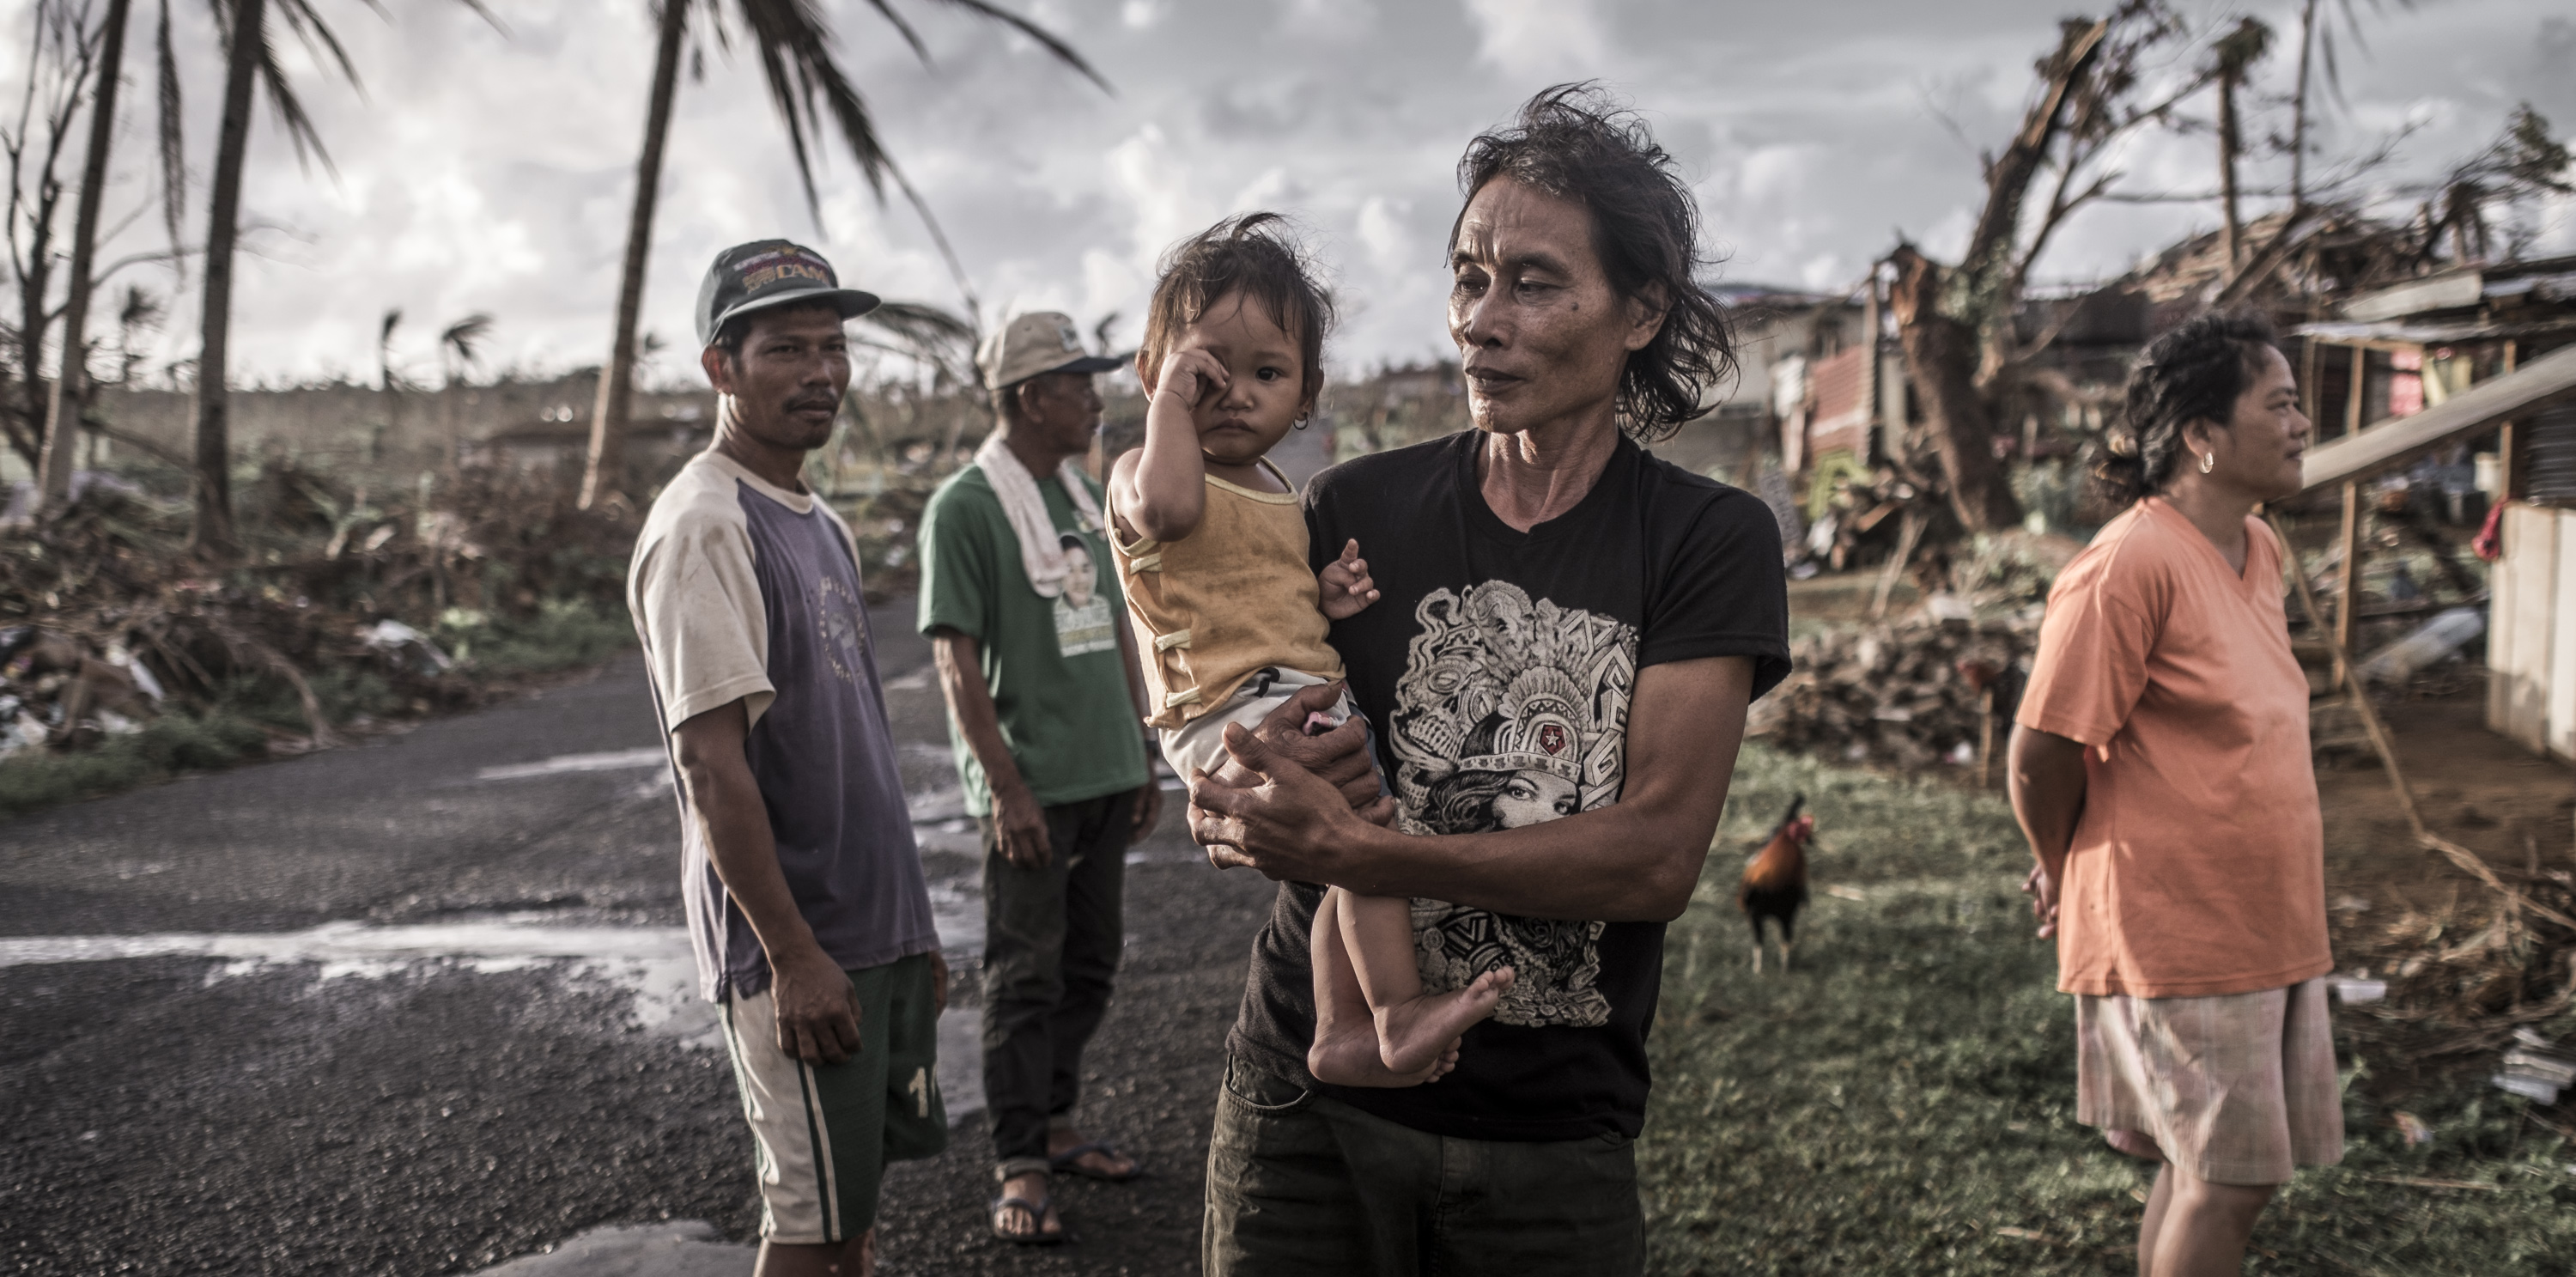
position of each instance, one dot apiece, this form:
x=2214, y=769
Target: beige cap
x=1040, y=342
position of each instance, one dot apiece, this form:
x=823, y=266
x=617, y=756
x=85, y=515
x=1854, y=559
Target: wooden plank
x=2531, y=548
x=2391, y=445
x=2348, y=573
x=2352, y=400
x=2558, y=698
x=2504, y=593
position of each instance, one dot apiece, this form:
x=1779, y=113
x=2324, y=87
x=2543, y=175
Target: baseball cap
x=767, y=273
x=1034, y=344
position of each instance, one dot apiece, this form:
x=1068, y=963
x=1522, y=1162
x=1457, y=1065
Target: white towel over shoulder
x=1041, y=553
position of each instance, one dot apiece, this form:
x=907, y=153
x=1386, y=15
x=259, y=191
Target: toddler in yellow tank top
x=1230, y=620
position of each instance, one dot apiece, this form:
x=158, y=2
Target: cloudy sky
x=484, y=170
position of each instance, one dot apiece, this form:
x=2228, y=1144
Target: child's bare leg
x=1413, y=1029
x=1345, y=1052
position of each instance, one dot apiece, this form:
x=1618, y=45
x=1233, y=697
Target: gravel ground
x=184, y=1115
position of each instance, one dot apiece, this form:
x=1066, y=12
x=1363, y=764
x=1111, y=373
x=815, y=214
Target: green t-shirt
x=1058, y=681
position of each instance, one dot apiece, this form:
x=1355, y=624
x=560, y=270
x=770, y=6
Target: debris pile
x=2477, y=980
x=342, y=606
x=1908, y=695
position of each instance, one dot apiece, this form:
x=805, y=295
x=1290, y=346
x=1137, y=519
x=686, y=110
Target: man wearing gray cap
x=807, y=910
x=1022, y=605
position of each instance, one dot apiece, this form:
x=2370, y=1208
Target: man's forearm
x=1629, y=862
x=745, y=856
x=970, y=702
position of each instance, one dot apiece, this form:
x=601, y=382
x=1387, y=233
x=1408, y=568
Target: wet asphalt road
x=412, y=1114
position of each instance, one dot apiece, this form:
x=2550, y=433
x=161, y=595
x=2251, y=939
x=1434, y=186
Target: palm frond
x=291, y=115
x=464, y=338
x=920, y=323
x=139, y=309
x=886, y=10
x=1046, y=39
x=318, y=37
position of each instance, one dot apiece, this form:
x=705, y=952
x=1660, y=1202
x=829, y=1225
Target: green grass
x=38, y=778
x=564, y=633
x=1909, y=1091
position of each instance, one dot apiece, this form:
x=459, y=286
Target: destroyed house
x=2466, y=379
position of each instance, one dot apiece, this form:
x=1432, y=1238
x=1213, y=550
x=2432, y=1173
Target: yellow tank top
x=1231, y=598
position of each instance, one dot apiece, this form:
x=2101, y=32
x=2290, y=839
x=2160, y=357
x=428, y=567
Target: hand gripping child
x=1231, y=617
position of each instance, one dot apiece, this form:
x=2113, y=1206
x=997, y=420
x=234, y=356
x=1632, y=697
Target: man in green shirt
x=1021, y=601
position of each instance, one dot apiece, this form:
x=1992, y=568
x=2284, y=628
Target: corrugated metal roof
x=2392, y=444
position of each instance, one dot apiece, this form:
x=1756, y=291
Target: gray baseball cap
x=767, y=273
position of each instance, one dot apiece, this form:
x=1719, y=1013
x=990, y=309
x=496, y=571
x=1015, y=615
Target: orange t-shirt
x=2198, y=866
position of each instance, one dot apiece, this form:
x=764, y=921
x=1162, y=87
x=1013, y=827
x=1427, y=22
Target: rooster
x=1775, y=884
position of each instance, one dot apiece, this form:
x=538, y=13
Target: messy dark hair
x=1573, y=142
x=1254, y=254
x=2194, y=373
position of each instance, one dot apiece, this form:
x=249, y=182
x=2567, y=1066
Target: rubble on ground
x=344, y=603
x=1897, y=695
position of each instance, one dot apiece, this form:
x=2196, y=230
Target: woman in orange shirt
x=2161, y=771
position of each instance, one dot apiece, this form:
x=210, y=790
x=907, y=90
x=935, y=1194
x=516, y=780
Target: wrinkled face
x=2260, y=450
x=1059, y=409
x=1541, y=336
x=1531, y=797
x=1266, y=390
x=786, y=383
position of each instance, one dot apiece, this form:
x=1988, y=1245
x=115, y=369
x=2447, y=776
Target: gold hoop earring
x=2208, y=462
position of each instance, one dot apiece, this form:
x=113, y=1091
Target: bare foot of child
x=1352, y=1059
x=1412, y=1035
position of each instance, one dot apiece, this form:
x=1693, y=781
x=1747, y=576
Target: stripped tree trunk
x=71, y=385
x=1941, y=355
x=606, y=468
x=1955, y=322
x=213, y=536
x=2228, y=148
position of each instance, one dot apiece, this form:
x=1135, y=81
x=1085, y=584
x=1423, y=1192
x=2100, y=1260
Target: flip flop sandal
x=1037, y=1211
x=1069, y=1162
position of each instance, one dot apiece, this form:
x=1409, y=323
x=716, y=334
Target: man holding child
x=1557, y=667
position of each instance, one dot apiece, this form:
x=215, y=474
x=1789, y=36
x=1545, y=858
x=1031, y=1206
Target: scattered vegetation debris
x=1896, y=695
x=348, y=609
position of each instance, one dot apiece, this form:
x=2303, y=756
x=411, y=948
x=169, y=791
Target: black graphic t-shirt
x=1497, y=668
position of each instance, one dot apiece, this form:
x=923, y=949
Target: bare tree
x=1955, y=322
x=62, y=56
x=2232, y=57
x=806, y=83
x=2524, y=163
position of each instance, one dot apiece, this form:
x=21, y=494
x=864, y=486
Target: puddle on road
x=651, y=963
x=612, y=760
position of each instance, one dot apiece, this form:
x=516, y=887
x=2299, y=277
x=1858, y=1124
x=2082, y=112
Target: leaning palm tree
x=54, y=470
x=806, y=82
x=459, y=352
x=250, y=61
x=391, y=403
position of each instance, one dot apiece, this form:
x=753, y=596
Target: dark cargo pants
x=1301, y=1184
x=1051, y=943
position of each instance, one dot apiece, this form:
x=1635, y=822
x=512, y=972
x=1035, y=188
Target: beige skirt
x=2235, y=1089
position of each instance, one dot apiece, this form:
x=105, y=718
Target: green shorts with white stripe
x=826, y=1131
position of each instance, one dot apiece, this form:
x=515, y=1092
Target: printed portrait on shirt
x=1510, y=712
